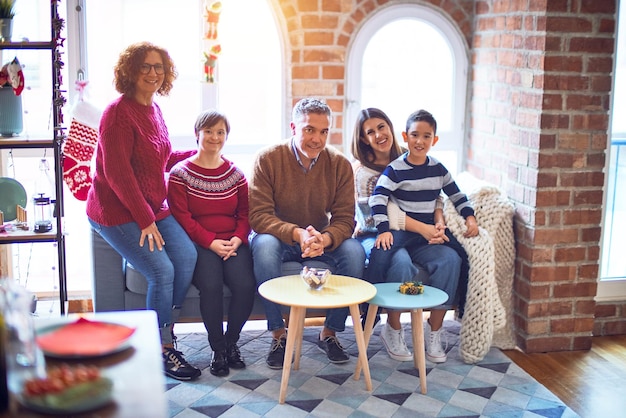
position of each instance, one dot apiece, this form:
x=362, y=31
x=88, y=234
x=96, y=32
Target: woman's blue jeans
x=268, y=255
x=168, y=272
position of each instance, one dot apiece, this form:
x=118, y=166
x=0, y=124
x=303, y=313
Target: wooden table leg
x=419, y=353
x=360, y=342
x=296, y=315
x=368, y=331
x=299, y=334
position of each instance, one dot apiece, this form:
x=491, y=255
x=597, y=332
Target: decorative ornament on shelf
x=7, y=12
x=11, y=87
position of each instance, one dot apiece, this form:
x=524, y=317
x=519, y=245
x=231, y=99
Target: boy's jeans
x=442, y=263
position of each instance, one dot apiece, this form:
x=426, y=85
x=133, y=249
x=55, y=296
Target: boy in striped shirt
x=414, y=181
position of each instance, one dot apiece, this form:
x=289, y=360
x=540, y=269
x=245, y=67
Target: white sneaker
x=434, y=350
x=393, y=340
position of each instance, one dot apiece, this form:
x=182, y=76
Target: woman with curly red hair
x=127, y=203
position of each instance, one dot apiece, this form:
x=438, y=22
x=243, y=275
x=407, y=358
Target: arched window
x=249, y=90
x=405, y=58
x=248, y=85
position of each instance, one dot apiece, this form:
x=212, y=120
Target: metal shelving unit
x=55, y=143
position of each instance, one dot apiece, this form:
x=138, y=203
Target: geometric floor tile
x=494, y=387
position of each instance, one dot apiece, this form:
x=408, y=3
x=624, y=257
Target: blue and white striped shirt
x=415, y=188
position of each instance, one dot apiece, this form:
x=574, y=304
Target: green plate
x=81, y=398
x=12, y=193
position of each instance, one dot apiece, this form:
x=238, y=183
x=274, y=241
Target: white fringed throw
x=488, y=313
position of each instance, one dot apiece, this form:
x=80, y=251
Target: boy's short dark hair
x=421, y=116
x=208, y=118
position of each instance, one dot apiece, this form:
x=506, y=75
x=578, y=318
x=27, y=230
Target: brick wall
x=610, y=318
x=540, y=90
x=540, y=130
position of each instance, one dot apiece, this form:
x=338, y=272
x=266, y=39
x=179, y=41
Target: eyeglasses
x=146, y=68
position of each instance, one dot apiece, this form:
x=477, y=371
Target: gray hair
x=310, y=105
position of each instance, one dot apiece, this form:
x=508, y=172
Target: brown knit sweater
x=283, y=196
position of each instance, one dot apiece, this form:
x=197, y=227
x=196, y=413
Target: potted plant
x=7, y=12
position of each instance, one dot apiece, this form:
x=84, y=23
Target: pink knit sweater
x=133, y=154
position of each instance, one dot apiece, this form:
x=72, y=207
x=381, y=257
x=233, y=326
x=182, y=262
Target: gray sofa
x=118, y=286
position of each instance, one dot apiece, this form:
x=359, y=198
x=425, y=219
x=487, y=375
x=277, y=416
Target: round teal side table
x=388, y=296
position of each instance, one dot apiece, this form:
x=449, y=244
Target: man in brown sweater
x=302, y=207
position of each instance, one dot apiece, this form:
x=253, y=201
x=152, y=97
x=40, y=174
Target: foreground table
x=388, y=296
x=137, y=372
x=339, y=292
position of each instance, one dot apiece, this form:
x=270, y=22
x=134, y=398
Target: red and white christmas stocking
x=79, y=147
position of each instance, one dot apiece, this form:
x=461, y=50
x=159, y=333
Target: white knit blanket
x=488, y=317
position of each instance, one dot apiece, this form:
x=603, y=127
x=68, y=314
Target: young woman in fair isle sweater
x=209, y=197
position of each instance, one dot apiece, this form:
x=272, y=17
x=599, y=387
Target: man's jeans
x=268, y=255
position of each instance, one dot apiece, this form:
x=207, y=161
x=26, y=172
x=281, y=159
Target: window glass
x=408, y=57
x=408, y=65
x=248, y=90
x=399, y=77
x=614, y=241
x=248, y=86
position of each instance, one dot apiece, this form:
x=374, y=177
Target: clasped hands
x=311, y=241
x=434, y=234
x=225, y=248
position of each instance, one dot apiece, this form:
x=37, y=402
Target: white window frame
x=613, y=289
x=456, y=139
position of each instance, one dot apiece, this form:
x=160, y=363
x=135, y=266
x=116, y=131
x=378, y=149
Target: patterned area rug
x=495, y=387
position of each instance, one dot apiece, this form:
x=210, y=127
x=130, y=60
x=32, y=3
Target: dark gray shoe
x=335, y=352
x=276, y=356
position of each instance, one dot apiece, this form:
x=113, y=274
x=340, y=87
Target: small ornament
x=210, y=63
x=212, y=15
x=411, y=288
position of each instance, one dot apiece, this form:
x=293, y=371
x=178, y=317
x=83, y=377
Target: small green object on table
x=411, y=288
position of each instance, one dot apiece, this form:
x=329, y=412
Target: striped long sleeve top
x=415, y=188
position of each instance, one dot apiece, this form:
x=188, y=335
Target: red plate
x=84, y=338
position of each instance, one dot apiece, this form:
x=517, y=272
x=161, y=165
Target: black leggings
x=210, y=276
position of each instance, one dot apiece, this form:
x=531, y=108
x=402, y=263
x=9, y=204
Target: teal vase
x=11, y=122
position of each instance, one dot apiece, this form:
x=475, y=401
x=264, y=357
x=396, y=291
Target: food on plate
x=68, y=387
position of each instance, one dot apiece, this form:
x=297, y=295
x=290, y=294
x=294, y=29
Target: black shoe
x=233, y=356
x=219, y=364
x=276, y=356
x=335, y=352
x=176, y=366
